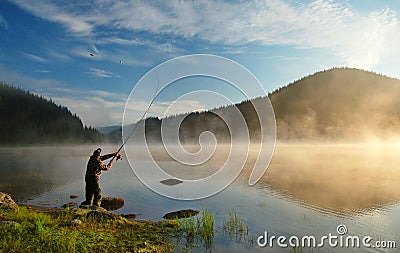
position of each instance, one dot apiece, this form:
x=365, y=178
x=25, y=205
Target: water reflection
x=28, y=172
x=307, y=189
x=344, y=179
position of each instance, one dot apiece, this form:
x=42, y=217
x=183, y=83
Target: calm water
x=307, y=190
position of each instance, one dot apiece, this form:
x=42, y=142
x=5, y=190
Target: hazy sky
x=45, y=45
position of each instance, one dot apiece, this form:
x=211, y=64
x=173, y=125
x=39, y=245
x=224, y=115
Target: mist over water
x=308, y=188
x=344, y=178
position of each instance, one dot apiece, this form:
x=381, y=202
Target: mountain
x=339, y=104
x=107, y=129
x=31, y=119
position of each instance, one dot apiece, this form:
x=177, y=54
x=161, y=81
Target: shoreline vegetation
x=33, y=229
x=28, y=228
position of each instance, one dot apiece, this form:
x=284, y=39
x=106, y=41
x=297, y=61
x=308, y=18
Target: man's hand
x=117, y=155
x=109, y=164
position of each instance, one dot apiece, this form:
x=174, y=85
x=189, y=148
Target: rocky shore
x=79, y=229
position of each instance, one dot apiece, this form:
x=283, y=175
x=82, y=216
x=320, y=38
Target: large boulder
x=7, y=202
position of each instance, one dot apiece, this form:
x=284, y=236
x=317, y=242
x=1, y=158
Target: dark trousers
x=93, y=191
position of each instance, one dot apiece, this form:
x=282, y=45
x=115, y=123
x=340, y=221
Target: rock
x=9, y=224
x=81, y=211
x=69, y=204
x=75, y=223
x=112, y=203
x=101, y=215
x=180, y=214
x=73, y=196
x=95, y=212
x=85, y=209
x=130, y=216
x=6, y=202
x=171, y=181
x=92, y=208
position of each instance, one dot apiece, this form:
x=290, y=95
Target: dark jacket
x=95, y=165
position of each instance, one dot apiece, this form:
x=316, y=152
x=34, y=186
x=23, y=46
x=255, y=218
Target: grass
x=235, y=227
x=48, y=232
x=198, y=229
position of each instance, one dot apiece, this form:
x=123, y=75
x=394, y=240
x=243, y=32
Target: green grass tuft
x=236, y=228
x=198, y=229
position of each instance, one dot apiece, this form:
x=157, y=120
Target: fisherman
x=92, y=177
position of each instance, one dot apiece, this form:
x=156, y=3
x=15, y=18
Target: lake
x=308, y=189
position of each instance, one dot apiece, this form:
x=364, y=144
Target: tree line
x=338, y=104
x=28, y=118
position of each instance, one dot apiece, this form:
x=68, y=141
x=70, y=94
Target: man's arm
x=105, y=157
x=104, y=166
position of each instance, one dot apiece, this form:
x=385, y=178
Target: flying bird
x=91, y=54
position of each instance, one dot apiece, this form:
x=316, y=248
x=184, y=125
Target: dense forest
x=27, y=118
x=339, y=104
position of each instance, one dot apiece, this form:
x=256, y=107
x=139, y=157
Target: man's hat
x=97, y=151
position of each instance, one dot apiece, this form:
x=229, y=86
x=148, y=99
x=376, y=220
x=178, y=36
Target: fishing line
x=144, y=114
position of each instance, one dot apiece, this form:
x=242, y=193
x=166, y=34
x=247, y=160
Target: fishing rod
x=137, y=124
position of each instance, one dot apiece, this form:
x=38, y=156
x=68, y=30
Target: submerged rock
x=7, y=202
x=171, y=181
x=112, y=203
x=69, y=204
x=130, y=216
x=73, y=196
x=181, y=214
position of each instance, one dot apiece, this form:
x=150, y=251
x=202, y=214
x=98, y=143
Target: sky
x=88, y=55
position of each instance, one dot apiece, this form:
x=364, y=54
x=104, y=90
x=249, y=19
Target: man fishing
x=92, y=177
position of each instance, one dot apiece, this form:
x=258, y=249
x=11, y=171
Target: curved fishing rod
x=136, y=125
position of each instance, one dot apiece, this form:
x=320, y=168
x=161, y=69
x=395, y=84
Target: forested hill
x=339, y=104
x=31, y=119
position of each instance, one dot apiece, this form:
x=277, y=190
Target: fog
x=345, y=178
x=27, y=172
x=339, y=104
